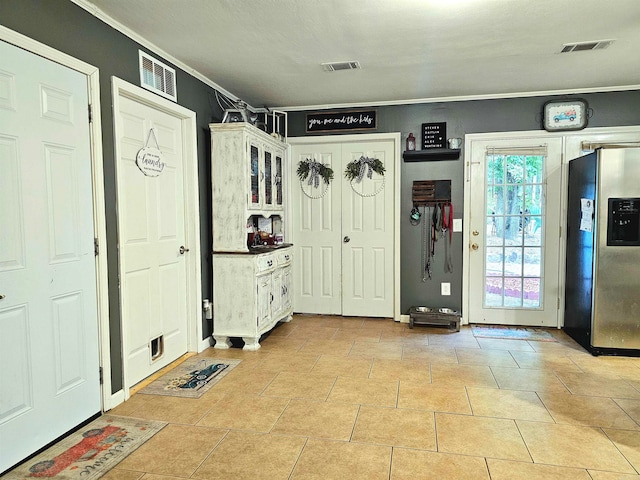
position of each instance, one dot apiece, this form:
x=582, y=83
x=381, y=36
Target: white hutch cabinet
x=251, y=286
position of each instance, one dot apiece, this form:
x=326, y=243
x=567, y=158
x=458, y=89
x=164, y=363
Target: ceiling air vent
x=157, y=77
x=584, y=46
x=336, y=66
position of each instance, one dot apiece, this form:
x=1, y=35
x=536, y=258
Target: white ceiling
x=268, y=52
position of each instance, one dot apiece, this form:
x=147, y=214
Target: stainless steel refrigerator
x=602, y=291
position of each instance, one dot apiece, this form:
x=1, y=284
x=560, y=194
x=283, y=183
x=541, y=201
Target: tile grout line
x=207, y=456
x=618, y=449
x=295, y=464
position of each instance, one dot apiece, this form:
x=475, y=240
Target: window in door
x=514, y=218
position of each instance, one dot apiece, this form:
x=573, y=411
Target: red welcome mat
x=90, y=452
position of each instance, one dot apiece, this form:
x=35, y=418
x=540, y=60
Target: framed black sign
x=342, y=121
x=434, y=135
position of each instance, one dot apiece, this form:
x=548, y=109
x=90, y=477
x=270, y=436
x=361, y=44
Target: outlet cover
x=457, y=224
x=445, y=288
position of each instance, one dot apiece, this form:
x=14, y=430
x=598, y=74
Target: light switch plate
x=457, y=224
x=445, y=288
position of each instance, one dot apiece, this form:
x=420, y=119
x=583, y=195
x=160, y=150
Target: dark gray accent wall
x=480, y=116
x=68, y=28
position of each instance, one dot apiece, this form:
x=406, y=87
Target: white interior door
x=317, y=233
x=151, y=221
x=367, y=224
x=343, y=234
x=49, y=353
x=514, y=225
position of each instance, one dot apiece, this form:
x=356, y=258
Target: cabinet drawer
x=266, y=262
x=284, y=258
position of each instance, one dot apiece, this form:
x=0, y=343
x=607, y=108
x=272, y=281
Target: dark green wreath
x=353, y=168
x=304, y=168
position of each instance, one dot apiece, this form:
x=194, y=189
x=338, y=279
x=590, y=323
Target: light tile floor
x=354, y=398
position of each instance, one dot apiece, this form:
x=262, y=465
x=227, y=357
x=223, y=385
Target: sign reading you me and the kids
x=342, y=121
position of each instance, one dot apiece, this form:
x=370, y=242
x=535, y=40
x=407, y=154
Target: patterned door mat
x=192, y=378
x=512, y=333
x=90, y=452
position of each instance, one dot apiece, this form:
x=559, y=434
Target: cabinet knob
x=346, y=239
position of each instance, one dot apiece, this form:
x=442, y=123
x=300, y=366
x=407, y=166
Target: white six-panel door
x=343, y=234
x=151, y=233
x=49, y=356
x=367, y=224
x=317, y=233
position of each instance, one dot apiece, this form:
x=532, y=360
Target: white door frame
x=99, y=221
x=192, y=206
x=570, y=150
x=364, y=137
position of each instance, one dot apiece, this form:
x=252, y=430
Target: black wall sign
x=434, y=135
x=342, y=121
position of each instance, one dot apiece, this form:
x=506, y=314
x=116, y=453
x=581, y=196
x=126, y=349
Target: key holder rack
x=430, y=192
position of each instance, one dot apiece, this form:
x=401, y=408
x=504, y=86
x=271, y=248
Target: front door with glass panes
x=514, y=226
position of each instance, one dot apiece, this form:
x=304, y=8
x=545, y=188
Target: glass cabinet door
x=268, y=179
x=255, y=175
x=278, y=181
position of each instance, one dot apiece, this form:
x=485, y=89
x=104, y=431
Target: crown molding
x=462, y=98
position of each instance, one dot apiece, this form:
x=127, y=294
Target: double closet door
x=343, y=232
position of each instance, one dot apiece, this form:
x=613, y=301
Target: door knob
x=2, y=296
x=346, y=240
x=476, y=233
x=474, y=246
x=182, y=249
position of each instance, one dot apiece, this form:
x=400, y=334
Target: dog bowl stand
x=434, y=317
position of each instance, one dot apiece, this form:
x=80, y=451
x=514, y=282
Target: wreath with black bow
x=314, y=171
x=356, y=169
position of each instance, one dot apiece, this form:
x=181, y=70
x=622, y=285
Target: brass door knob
x=476, y=233
x=474, y=246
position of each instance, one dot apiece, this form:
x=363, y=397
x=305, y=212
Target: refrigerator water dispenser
x=623, y=222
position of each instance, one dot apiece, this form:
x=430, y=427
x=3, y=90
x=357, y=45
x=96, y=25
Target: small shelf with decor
x=431, y=154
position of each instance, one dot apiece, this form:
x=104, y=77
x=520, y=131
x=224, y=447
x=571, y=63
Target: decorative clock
x=561, y=115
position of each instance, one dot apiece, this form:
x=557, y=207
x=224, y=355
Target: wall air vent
x=336, y=66
x=584, y=46
x=157, y=77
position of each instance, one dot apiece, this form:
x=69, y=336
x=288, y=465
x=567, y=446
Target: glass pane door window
x=268, y=179
x=514, y=237
x=278, y=181
x=255, y=175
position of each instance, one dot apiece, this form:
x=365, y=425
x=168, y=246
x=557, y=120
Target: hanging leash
x=434, y=230
x=426, y=247
x=447, y=224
